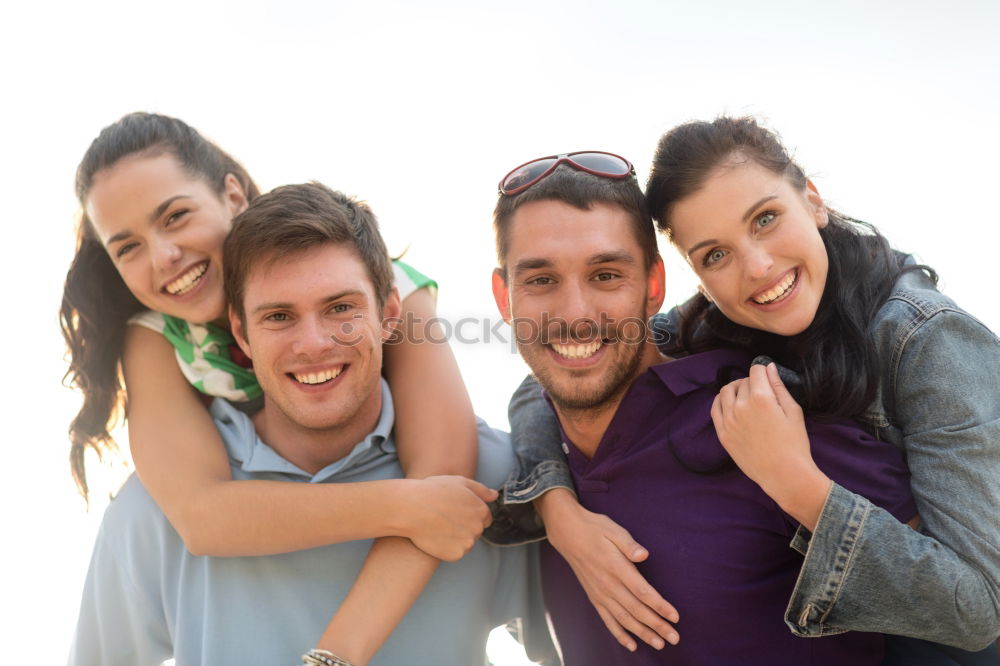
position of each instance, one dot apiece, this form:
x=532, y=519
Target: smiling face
x=314, y=330
x=578, y=294
x=753, y=239
x=163, y=230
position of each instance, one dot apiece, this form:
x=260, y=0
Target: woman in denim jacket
x=860, y=331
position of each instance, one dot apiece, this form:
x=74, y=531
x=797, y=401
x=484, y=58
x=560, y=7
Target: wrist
x=557, y=508
x=804, y=496
x=400, y=498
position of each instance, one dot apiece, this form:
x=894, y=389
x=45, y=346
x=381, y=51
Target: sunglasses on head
x=606, y=165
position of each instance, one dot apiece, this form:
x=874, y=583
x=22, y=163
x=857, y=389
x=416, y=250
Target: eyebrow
x=155, y=215
x=610, y=257
x=746, y=217
x=531, y=264
x=285, y=305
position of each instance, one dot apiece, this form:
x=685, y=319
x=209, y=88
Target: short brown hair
x=295, y=218
x=581, y=190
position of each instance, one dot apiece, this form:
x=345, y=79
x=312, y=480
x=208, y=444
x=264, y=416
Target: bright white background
x=892, y=107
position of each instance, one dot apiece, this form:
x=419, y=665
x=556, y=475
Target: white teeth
x=185, y=282
x=778, y=290
x=318, y=377
x=577, y=351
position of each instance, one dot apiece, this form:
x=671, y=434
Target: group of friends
x=798, y=465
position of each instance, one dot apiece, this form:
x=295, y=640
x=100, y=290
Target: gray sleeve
x=539, y=460
x=864, y=570
x=120, y=623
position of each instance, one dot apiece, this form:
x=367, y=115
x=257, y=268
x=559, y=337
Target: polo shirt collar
x=254, y=456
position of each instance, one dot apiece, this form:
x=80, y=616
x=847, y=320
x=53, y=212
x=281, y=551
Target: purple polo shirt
x=718, y=546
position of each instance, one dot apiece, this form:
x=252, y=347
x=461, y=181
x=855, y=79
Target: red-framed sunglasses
x=606, y=165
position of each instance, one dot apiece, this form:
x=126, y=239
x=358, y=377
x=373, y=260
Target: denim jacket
x=863, y=570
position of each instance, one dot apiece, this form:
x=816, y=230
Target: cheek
x=135, y=275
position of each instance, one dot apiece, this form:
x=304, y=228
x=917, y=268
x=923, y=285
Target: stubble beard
x=570, y=397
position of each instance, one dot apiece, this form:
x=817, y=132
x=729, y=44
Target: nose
x=577, y=315
x=757, y=261
x=165, y=252
x=315, y=336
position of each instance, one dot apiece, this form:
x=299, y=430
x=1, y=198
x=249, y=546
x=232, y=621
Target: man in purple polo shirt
x=579, y=276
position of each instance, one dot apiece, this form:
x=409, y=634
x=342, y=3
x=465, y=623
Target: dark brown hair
x=835, y=355
x=581, y=190
x=294, y=218
x=96, y=304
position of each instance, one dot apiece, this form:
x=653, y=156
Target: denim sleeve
x=864, y=570
x=539, y=466
x=539, y=457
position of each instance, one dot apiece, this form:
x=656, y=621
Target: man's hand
x=601, y=554
x=763, y=429
x=444, y=515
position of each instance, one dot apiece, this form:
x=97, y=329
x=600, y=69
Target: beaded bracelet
x=317, y=657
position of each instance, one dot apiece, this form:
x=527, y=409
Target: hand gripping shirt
x=718, y=545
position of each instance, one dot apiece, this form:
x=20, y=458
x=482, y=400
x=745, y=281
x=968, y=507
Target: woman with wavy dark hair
x=144, y=303
x=858, y=330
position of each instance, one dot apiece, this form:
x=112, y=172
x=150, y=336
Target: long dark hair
x=96, y=304
x=835, y=355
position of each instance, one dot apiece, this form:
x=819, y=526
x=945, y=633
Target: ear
x=390, y=314
x=233, y=195
x=501, y=294
x=239, y=334
x=815, y=201
x=656, y=287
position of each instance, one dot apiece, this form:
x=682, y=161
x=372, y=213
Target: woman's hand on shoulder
x=602, y=555
x=446, y=514
x=763, y=430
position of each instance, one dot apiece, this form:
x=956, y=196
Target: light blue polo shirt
x=147, y=599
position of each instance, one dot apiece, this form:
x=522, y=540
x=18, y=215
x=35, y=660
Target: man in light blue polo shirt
x=308, y=307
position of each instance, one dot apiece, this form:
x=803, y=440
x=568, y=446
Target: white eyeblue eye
x=765, y=219
x=714, y=256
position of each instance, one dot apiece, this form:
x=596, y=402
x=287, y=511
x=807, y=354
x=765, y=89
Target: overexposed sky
x=892, y=107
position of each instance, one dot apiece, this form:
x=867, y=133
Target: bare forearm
x=393, y=576
x=435, y=425
x=238, y=518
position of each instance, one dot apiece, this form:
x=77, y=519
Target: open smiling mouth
x=187, y=282
x=313, y=378
x=577, y=351
x=778, y=291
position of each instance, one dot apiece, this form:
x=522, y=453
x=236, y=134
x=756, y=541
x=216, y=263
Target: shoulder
x=496, y=457
x=134, y=529
x=149, y=319
x=916, y=310
x=931, y=352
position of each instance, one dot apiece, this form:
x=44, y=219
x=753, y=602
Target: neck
x=312, y=449
x=586, y=426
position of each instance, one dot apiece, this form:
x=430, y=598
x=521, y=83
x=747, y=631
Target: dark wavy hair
x=96, y=304
x=835, y=356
